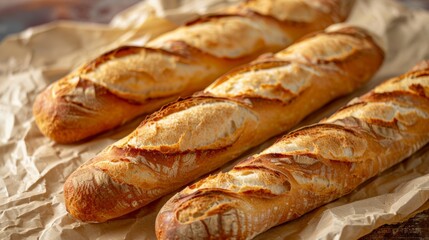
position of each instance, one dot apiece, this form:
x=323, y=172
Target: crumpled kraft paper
x=33, y=168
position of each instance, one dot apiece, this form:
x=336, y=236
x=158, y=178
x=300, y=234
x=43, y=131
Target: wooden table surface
x=16, y=16
x=415, y=228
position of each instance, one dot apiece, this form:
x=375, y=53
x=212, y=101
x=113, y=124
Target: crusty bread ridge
x=306, y=168
x=130, y=81
x=194, y=136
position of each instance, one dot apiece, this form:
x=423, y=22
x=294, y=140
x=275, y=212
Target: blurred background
x=17, y=15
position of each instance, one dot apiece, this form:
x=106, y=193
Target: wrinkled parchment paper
x=33, y=168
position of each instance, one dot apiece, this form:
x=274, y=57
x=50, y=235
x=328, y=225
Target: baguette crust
x=306, y=168
x=194, y=136
x=130, y=81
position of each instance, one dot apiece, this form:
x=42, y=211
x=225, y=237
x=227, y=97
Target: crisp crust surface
x=141, y=79
x=306, y=168
x=196, y=135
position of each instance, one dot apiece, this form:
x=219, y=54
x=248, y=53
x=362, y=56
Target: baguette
x=129, y=81
x=306, y=168
x=194, y=136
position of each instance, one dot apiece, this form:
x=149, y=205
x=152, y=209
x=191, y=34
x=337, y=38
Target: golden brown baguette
x=243, y=108
x=130, y=81
x=306, y=168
